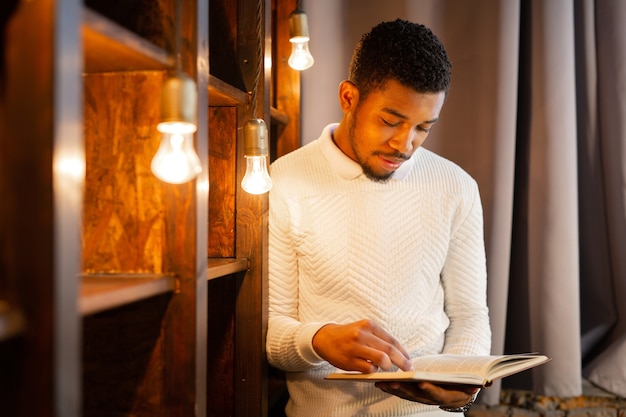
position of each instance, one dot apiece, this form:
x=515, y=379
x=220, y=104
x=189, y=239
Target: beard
x=369, y=173
x=368, y=170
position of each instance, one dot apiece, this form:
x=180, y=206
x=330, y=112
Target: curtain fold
x=552, y=209
x=608, y=367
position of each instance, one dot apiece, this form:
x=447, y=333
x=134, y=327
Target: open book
x=453, y=369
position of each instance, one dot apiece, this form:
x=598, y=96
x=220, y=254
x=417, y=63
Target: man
x=376, y=250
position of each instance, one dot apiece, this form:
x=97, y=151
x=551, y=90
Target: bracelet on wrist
x=462, y=409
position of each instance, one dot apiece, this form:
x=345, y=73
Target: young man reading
x=376, y=248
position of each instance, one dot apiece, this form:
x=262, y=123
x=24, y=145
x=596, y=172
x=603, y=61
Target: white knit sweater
x=407, y=254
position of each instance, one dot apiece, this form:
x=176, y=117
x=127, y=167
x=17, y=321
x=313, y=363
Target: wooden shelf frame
x=172, y=305
x=222, y=94
x=103, y=292
x=111, y=47
x=279, y=117
x=220, y=267
x=60, y=310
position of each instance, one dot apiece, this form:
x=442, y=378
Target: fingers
x=450, y=395
x=410, y=391
x=360, y=346
x=428, y=393
x=379, y=347
x=395, y=354
x=377, y=358
x=384, y=351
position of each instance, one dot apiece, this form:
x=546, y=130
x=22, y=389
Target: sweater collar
x=347, y=168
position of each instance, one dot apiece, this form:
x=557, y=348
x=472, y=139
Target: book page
x=454, y=364
x=462, y=369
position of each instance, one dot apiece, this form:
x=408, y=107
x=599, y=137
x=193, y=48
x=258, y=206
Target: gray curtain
x=602, y=185
x=536, y=114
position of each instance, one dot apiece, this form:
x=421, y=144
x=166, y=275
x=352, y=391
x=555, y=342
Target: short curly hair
x=404, y=51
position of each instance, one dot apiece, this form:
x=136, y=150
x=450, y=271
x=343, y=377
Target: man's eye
x=423, y=129
x=389, y=123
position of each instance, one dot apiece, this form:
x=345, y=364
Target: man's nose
x=402, y=141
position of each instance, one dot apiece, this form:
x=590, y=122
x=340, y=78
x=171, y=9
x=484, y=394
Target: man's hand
x=428, y=393
x=361, y=346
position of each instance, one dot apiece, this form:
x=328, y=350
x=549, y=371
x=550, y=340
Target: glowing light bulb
x=176, y=160
x=301, y=57
x=256, y=180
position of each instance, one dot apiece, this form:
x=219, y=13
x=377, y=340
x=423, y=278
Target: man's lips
x=391, y=163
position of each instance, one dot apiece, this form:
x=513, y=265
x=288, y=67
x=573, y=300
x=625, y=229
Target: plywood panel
x=123, y=208
x=222, y=180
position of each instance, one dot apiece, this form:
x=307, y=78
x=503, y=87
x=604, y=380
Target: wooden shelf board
x=11, y=321
x=100, y=292
x=279, y=117
x=111, y=47
x=223, y=94
x=219, y=267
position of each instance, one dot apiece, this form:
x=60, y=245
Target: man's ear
x=348, y=96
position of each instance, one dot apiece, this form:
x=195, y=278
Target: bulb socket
x=255, y=138
x=179, y=98
x=298, y=26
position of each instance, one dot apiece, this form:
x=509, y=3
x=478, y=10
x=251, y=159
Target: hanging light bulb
x=176, y=160
x=301, y=57
x=256, y=180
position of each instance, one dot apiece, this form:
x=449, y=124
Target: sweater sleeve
x=289, y=342
x=464, y=279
